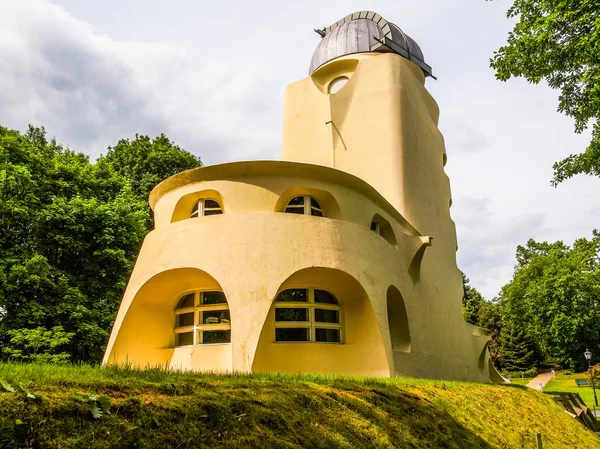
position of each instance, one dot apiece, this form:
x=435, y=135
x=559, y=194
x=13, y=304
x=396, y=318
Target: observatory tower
x=341, y=258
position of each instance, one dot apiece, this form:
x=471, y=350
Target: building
x=341, y=258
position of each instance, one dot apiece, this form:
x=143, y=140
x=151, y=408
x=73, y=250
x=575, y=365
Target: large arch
x=361, y=351
x=146, y=337
x=398, y=321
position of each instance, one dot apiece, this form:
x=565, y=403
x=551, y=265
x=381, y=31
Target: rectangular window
x=285, y=314
x=327, y=316
x=186, y=301
x=216, y=317
x=185, y=319
x=209, y=298
x=327, y=335
x=213, y=337
x=324, y=297
x=291, y=334
x=184, y=339
x=294, y=210
x=293, y=295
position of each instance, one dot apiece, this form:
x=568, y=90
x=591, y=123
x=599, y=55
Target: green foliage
x=69, y=234
x=99, y=405
x=559, y=42
x=554, y=298
x=146, y=162
x=489, y=318
x=593, y=375
x=38, y=345
x=518, y=351
x=471, y=302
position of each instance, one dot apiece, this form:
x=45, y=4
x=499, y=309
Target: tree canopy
x=70, y=230
x=559, y=42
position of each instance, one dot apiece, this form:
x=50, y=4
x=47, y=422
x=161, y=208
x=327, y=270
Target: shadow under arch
x=385, y=229
x=184, y=206
x=146, y=335
x=330, y=206
x=361, y=351
x=398, y=321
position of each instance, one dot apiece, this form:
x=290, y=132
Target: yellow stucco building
x=341, y=258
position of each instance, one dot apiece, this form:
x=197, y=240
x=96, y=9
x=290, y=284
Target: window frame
x=199, y=328
x=377, y=229
x=312, y=325
x=307, y=205
x=202, y=209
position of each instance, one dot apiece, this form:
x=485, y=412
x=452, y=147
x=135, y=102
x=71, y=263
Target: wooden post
x=538, y=440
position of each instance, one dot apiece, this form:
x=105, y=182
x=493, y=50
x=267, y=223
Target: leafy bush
x=38, y=345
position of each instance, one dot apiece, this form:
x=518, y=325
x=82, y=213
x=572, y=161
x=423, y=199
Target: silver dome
x=362, y=32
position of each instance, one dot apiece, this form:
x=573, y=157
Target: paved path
x=543, y=378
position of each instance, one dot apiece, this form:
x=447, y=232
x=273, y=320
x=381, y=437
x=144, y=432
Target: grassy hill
x=52, y=407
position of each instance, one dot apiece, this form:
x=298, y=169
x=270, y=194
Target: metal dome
x=362, y=32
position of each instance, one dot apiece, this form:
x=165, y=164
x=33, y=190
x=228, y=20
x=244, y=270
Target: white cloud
x=90, y=90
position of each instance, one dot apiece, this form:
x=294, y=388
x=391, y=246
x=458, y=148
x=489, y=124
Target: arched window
x=304, y=205
x=205, y=207
x=382, y=227
x=308, y=315
x=202, y=318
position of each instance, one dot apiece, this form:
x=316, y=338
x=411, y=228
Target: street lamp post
x=588, y=357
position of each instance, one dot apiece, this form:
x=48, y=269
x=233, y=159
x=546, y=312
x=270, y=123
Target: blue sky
x=211, y=76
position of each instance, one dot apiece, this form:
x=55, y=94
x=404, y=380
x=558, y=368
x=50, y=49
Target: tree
x=471, y=302
x=146, y=162
x=517, y=349
x=559, y=42
x=489, y=318
x=69, y=234
x=554, y=298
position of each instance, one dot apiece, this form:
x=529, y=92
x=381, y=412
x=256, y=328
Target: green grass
x=161, y=409
x=565, y=383
x=521, y=381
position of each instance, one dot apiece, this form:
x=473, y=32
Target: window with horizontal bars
x=205, y=207
x=304, y=205
x=202, y=317
x=307, y=315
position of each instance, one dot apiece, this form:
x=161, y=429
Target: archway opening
x=398, y=321
x=334, y=329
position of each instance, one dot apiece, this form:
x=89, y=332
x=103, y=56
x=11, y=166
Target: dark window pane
x=186, y=301
x=213, y=298
x=324, y=297
x=294, y=210
x=211, y=337
x=315, y=203
x=209, y=204
x=282, y=314
x=328, y=335
x=327, y=316
x=375, y=226
x=316, y=212
x=293, y=295
x=184, y=339
x=216, y=317
x=291, y=334
x=298, y=201
x=212, y=212
x=185, y=319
